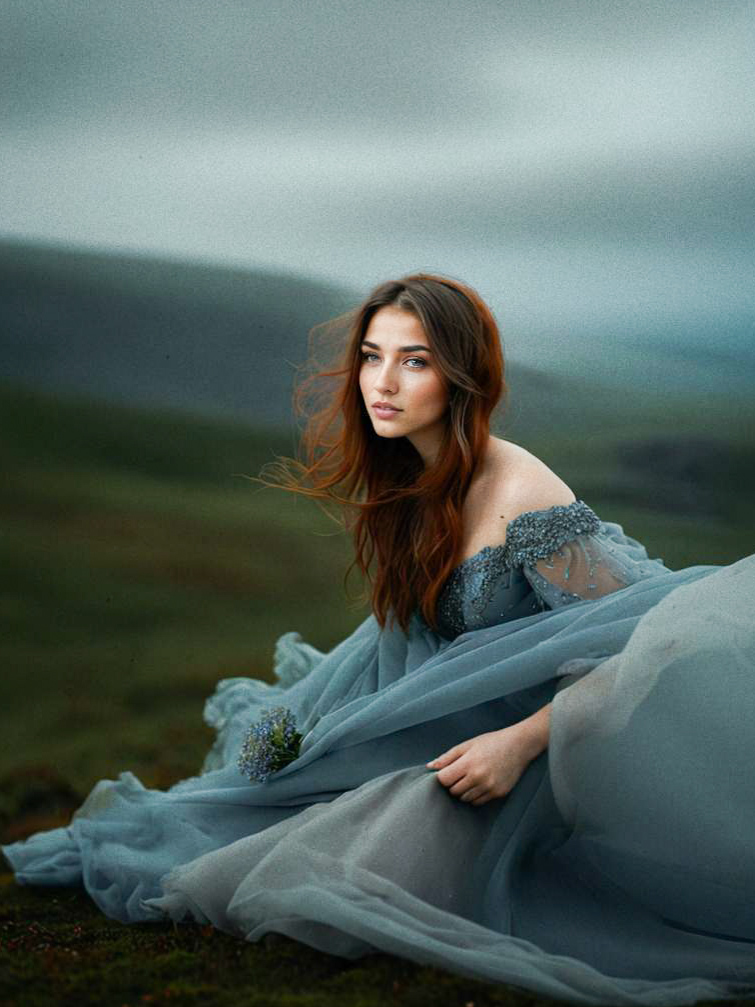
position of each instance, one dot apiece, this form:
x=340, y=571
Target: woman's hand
x=487, y=766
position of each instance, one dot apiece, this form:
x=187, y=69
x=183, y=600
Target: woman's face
x=403, y=391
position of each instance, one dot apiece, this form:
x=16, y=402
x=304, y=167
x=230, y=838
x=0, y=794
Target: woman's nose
x=386, y=379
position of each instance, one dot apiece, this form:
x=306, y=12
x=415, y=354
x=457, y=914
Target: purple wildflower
x=270, y=744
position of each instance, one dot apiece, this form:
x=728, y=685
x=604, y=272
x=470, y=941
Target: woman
x=525, y=765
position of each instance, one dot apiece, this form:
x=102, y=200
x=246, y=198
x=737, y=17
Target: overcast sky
x=583, y=164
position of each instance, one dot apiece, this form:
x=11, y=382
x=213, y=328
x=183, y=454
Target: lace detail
x=537, y=534
x=530, y=536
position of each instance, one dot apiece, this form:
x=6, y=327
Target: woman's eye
x=415, y=363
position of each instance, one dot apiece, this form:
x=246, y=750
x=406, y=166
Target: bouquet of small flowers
x=270, y=744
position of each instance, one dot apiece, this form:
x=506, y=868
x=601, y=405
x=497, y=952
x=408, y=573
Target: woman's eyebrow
x=402, y=349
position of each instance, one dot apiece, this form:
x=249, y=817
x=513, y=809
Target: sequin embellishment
x=536, y=534
x=530, y=536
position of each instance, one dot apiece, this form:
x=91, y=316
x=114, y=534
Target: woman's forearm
x=536, y=730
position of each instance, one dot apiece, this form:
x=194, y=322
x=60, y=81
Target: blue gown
x=619, y=870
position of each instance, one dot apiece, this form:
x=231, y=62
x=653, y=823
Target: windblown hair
x=406, y=519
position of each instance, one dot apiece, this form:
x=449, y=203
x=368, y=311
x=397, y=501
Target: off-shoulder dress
x=621, y=867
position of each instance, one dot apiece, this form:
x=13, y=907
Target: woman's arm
x=489, y=766
x=537, y=727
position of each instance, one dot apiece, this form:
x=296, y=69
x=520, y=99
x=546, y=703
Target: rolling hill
x=154, y=332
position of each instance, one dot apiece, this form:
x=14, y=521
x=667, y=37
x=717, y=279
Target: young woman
x=526, y=765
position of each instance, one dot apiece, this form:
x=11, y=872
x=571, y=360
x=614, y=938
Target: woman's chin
x=386, y=430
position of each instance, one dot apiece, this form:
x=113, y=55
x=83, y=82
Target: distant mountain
x=200, y=338
x=210, y=339
x=149, y=331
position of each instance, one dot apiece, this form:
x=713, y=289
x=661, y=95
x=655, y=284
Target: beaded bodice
x=495, y=585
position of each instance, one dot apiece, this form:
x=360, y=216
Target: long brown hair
x=406, y=519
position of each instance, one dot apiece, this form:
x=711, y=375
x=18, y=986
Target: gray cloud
x=577, y=161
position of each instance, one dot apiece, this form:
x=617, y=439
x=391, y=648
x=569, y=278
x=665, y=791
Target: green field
x=140, y=566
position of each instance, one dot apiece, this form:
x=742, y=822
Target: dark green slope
x=157, y=332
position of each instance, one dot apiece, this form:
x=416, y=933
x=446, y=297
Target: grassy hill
x=156, y=332
x=139, y=567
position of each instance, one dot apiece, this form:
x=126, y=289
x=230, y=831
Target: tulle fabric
x=590, y=566
x=617, y=870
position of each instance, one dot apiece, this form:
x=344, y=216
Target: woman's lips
x=385, y=412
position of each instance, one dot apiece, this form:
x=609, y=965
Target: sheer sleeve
x=568, y=554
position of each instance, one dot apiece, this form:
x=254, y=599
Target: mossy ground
x=71, y=954
x=57, y=948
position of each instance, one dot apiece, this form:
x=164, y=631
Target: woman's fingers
x=447, y=757
x=460, y=787
x=467, y=787
x=472, y=795
x=451, y=774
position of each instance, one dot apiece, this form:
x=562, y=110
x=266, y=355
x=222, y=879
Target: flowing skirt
x=620, y=869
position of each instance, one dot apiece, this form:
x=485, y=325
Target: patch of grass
x=130, y=588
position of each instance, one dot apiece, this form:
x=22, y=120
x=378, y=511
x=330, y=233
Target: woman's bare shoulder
x=511, y=482
x=527, y=483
